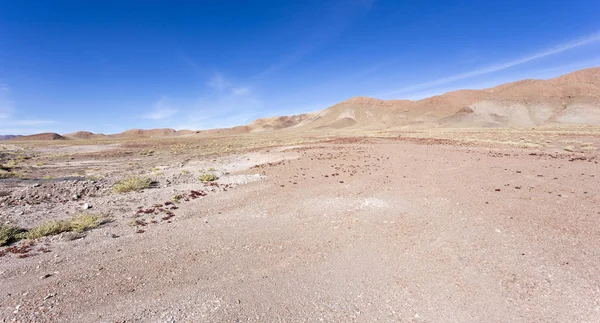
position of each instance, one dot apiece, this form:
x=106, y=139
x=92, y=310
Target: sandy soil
x=353, y=229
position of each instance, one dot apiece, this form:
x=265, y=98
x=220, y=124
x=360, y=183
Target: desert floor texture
x=423, y=226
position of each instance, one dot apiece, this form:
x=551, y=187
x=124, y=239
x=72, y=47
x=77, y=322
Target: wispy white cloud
x=9, y=125
x=162, y=110
x=241, y=91
x=219, y=82
x=501, y=66
x=31, y=122
x=7, y=106
x=287, y=60
x=216, y=122
x=336, y=19
x=232, y=105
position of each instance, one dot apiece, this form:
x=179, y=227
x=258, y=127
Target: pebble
x=86, y=206
x=49, y=296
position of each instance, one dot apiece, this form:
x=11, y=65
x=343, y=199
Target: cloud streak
x=31, y=122
x=6, y=104
x=498, y=67
x=219, y=82
x=162, y=110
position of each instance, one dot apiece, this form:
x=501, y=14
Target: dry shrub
x=9, y=233
x=132, y=184
x=208, y=177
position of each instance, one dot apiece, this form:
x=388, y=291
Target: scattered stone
x=49, y=296
x=45, y=276
x=69, y=236
x=86, y=206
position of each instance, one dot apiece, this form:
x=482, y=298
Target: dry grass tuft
x=133, y=183
x=208, y=177
x=49, y=228
x=84, y=222
x=9, y=233
x=6, y=174
x=77, y=224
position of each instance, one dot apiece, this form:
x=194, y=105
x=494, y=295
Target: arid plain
x=445, y=211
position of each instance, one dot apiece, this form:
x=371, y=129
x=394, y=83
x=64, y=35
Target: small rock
x=49, y=296
x=45, y=276
x=36, y=185
x=86, y=206
x=69, y=236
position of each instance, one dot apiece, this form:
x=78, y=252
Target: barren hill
x=40, y=136
x=569, y=99
x=85, y=135
x=7, y=137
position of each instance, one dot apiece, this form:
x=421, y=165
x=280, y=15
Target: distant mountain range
x=571, y=99
x=7, y=137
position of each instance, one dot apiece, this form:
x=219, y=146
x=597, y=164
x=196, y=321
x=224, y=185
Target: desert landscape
x=472, y=206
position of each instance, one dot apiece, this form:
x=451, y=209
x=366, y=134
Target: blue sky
x=107, y=66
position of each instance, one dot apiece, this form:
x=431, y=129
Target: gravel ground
x=375, y=230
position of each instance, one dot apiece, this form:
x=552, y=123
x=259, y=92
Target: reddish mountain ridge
x=571, y=99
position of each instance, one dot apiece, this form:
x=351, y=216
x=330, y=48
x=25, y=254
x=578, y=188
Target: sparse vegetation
x=7, y=174
x=208, y=177
x=177, y=198
x=49, y=228
x=80, y=223
x=93, y=177
x=9, y=233
x=132, y=184
x=84, y=222
x=11, y=164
